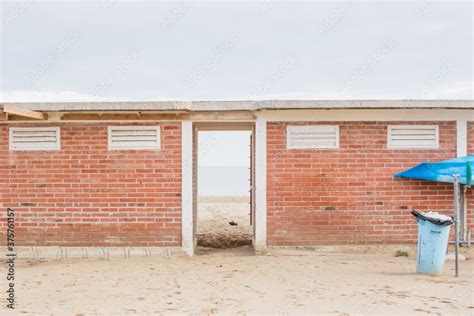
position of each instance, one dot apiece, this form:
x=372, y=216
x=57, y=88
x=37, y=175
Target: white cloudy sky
x=112, y=50
x=235, y=50
x=224, y=148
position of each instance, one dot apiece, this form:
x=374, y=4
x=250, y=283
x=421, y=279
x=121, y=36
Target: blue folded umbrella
x=442, y=171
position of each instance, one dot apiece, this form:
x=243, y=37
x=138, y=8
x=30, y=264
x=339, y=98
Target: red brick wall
x=470, y=138
x=86, y=195
x=470, y=151
x=349, y=195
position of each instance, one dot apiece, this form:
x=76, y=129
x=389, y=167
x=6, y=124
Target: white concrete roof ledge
x=247, y=105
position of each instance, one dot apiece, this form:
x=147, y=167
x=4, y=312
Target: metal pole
x=456, y=222
x=462, y=215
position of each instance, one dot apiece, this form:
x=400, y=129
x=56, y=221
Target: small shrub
x=401, y=253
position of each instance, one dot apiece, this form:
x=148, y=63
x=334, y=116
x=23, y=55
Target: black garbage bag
x=435, y=218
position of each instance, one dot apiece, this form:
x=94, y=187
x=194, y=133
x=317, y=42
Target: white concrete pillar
x=461, y=138
x=187, y=187
x=261, y=184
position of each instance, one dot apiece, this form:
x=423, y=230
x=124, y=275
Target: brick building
x=109, y=174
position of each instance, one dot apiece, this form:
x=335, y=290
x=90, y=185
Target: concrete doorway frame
x=189, y=185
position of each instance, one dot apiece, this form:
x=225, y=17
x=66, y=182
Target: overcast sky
x=224, y=148
x=113, y=50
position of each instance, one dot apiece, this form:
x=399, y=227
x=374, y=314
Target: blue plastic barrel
x=432, y=246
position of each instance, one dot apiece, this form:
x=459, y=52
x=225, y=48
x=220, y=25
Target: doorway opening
x=223, y=187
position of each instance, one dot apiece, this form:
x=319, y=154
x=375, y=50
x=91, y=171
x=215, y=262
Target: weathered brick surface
x=87, y=195
x=349, y=195
x=470, y=193
x=470, y=138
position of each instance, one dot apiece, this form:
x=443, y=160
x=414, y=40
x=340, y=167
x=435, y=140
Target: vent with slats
x=312, y=136
x=35, y=138
x=413, y=136
x=134, y=137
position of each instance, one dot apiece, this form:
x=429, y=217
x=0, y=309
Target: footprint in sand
x=421, y=310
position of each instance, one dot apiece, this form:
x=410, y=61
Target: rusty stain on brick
x=36, y=180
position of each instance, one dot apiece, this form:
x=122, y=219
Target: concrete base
x=452, y=256
x=88, y=252
x=387, y=250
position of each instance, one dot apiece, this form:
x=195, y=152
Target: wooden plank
x=195, y=116
x=222, y=126
x=80, y=117
x=12, y=117
x=223, y=116
x=144, y=116
x=198, y=116
x=120, y=117
x=10, y=109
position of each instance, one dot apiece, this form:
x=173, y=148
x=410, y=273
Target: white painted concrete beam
x=260, y=184
x=187, y=187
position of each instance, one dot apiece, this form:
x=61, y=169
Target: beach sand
x=335, y=280
x=338, y=281
x=214, y=215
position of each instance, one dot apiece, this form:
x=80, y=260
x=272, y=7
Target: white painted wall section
x=187, y=187
x=260, y=184
x=461, y=138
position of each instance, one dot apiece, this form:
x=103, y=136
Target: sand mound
x=213, y=228
x=222, y=241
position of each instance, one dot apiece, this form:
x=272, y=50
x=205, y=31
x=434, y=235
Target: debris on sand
x=214, y=229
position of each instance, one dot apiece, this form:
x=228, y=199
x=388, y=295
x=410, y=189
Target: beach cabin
x=123, y=174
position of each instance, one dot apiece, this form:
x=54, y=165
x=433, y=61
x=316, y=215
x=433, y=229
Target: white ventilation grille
x=35, y=138
x=312, y=136
x=134, y=137
x=413, y=136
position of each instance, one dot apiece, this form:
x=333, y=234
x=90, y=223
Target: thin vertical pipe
x=456, y=223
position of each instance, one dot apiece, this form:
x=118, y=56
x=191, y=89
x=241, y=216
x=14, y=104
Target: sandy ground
x=351, y=280
x=214, y=215
x=339, y=281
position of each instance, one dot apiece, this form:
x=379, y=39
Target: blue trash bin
x=433, y=235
